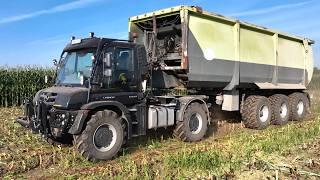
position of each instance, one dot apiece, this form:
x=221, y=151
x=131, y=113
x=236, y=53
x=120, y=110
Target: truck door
x=118, y=76
x=124, y=74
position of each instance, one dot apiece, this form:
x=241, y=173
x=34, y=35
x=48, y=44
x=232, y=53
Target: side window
x=123, y=59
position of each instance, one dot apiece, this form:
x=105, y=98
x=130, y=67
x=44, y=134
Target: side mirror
x=107, y=66
x=107, y=72
x=81, y=79
x=55, y=62
x=107, y=60
x=93, y=58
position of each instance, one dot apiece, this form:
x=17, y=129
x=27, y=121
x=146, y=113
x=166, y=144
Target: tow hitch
x=23, y=121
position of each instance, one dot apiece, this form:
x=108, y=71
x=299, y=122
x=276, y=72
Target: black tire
x=194, y=125
x=299, y=104
x=254, y=114
x=280, y=109
x=93, y=144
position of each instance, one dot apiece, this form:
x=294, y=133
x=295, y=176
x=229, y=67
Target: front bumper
x=43, y=118
x=28, y=113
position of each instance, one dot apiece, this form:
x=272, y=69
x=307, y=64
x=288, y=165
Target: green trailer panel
x=216, y=39
x=256, y=47
x=290, y=53
x=224, y=52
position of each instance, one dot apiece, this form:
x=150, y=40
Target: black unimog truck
x=99, y=99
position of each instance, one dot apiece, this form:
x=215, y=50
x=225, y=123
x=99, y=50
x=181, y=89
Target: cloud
x=269, y=9
x=60, y=8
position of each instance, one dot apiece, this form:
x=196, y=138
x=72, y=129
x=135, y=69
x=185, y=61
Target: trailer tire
x=256, y=113
x=299, y=104
x=194, y=125
x=95, y=143
x=280, y=109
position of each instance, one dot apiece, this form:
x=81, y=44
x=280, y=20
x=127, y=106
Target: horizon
x=36, y=32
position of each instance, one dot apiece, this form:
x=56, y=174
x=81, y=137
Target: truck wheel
x=194, y=125
x=299, y=106
x=280, y=109
x=102, y=138
x=256, y=113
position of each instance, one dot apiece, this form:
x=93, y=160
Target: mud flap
x=78, y=122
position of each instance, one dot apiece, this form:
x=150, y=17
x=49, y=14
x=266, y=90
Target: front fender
x=79, y=121
x=97, y=104
x=85, y=110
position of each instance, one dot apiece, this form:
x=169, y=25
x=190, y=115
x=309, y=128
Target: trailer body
x=220, y=52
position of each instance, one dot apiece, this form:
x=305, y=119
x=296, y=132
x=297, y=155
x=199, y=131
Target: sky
x=35, y=32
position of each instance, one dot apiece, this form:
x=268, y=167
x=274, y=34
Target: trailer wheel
x=102, y=138
x=256, y=113
x=299, y=103
x=280, y=109
x=194, y=125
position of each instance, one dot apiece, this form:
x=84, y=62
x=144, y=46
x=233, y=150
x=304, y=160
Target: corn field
x=315, y=82
x=19, y=83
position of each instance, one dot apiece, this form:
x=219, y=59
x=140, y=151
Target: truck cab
x=103, y=96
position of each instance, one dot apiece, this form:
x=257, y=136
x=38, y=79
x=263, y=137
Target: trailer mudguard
x=80, y=119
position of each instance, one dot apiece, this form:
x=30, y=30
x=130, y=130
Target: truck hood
x=63, y=97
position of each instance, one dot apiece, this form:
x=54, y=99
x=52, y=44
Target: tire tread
x=80, y=141
x=179, y=131
x=249, y=113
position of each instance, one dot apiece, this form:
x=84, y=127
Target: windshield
x=73, y=66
